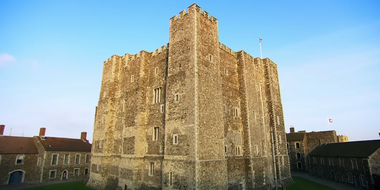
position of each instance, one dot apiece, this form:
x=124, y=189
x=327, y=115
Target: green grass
x=64, y=186
x=300, y=184
x=304, y=184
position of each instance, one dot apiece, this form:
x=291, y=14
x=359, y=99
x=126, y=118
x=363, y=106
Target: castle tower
x=190, y=115
x=197, y=116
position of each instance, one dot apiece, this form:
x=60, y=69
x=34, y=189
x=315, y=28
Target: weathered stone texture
x=32, y=171
x=223, y=109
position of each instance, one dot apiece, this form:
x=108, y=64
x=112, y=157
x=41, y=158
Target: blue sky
x=327, y=52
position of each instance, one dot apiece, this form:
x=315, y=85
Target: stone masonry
x=192, y=114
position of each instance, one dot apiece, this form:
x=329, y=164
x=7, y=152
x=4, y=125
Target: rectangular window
x=238, y=151
x=151, y=169
x=77, y=159
x=52, y=174
x=175, y=139
x=87, y=158
x=156, y=70
x=132, y=78
x=225, y=148
x=354, y=164
x=156, y=132
x=157, y=95
x=350, y=178
x=176, y=98
x=236, y=112
x=54, y=159
x=170, y=178
x=314, y=160
x=86, y=171
x=66, y=159
x=162, y=110
x=322, y=161
x=76, y=172
x=278, y=120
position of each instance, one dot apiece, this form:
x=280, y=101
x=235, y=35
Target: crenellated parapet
x=159, y=50
x=194, y=8
x=227, y=49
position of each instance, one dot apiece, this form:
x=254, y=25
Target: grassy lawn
x=304, y=184
x=63, y=186
x=300, y=184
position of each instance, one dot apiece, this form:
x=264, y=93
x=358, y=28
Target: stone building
x=191, y=115
x=18, y=160
x=42, y=159
x=63, y=158
x=354, y=163
x=301, y=143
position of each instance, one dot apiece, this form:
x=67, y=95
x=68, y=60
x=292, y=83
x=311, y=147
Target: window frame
x=151, y=169
x=298, y=155
x=52, y=159
x=78, y=158
x=68, y=159
x=175, y=139
x=22, y=157
x=76, y=169
x=55, y=174
x=87, y=159
x=156, y=133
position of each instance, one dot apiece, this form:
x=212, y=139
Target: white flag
x=330, y=121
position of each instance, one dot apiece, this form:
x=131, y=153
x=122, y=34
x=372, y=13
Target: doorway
x=16, y=177
x=64, y=175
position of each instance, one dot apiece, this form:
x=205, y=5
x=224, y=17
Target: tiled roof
x=295, y=136
x=17, y=145
x=64, y=144
x=358, y=149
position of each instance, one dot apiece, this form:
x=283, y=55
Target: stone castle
x=191, y=115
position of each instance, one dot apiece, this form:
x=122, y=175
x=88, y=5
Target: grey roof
x=356, y=149
x=295, y=136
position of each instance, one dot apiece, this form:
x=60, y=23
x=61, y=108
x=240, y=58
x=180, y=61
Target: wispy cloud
x=6, y=58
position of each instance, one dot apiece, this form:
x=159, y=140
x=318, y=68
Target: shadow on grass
x=304, y=184
x=63, y=186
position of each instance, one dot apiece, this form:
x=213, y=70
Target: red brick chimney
x=292, y=129
x=2, y=129
x=42, y=131
x=83, y=136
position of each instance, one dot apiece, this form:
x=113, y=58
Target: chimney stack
x=83, y=136
x=2, y=130
x=42, y=131
x=292, y=129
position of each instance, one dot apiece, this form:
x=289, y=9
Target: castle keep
x=191, y=115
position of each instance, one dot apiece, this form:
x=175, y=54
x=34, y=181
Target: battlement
x=195, y=8
x=227, y=49
x=159, y=50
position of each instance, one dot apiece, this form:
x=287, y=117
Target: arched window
x=20, y=159
x=297, y=145
x=298, y=155
x=299, y=165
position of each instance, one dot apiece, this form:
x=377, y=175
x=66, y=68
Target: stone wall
x=60, y=167
x=190, y=115
x=30, y=167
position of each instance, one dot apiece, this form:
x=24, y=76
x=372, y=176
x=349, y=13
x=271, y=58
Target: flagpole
x=261, y=51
